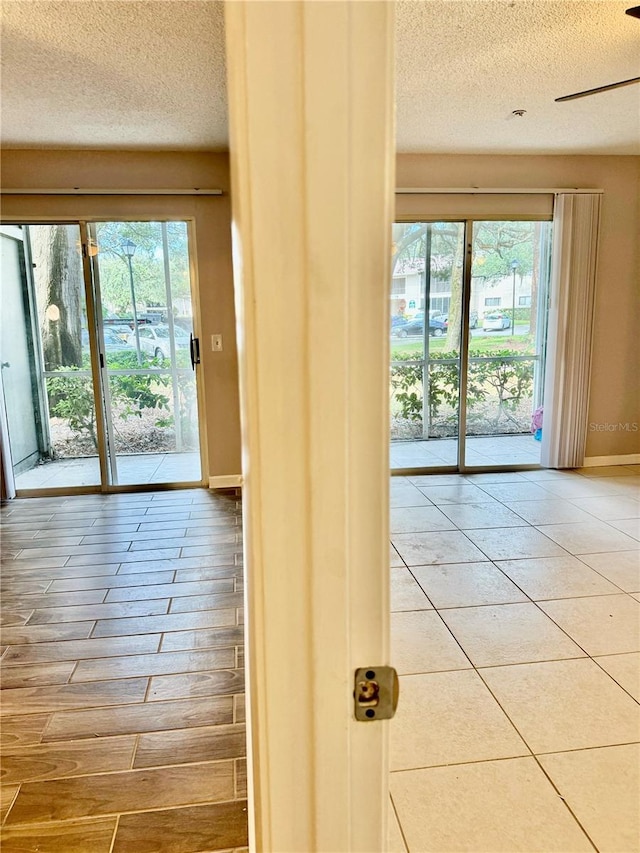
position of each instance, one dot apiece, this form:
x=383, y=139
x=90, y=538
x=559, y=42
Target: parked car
x=122, y=331
x=437, y=327
x=398, y=322
x=473, y=319
x=415, y=326
x=495, y=322
x=113, y=341
x=123, y=325
x=154, y=340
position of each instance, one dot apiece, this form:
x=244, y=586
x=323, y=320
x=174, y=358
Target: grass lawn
x=480, y=344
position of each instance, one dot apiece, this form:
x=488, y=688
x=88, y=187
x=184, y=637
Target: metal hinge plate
x=375, y=693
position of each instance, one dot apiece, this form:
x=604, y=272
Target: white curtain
x=569, y=338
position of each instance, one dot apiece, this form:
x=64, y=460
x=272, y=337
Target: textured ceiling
x=113, y=74
x=463, y=67
x=151, y=74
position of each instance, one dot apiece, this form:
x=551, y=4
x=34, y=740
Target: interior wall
x=614, y=407
x=212, y=215
x=614, y=398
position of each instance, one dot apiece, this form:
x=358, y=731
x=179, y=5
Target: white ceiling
x=113, y=74
x=150, y=74
x=463, y=67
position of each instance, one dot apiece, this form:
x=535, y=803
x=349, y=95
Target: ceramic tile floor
x=516, y=634
x=133, y=469
x=490, y=450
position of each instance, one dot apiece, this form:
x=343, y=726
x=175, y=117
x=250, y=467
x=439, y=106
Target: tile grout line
x=174, y=576
x=535, y=758
x=572, y=639
x=15, y=797
x=398, y=821
x=510, y=757
x=115, y=832
x=477, y=669
x=92, y=818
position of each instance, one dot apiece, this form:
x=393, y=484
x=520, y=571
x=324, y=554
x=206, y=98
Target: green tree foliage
x=510, y=382
x=71, y=396
x=147, y=264
x=408, y=386
x=497, y=244
x=444, y=242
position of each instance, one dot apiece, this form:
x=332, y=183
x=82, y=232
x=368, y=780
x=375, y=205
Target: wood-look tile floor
x=122, y=709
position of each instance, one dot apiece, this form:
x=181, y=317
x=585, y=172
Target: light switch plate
x=216, y=343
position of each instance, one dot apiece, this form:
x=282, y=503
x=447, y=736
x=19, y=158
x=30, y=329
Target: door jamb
x=464, y=343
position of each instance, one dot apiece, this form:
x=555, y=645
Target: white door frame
x=312, y=159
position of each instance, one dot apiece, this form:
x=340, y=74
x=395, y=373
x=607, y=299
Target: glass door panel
x=426, y=311
x=142, y=281
x=509, y=292
x=46, y=361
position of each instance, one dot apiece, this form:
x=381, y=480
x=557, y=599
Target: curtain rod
x=86, y=191
x=195, y=191
x=206, y=192
x=490, y=190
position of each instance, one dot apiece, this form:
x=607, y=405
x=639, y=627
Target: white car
x=495, y=322
x=154, y=340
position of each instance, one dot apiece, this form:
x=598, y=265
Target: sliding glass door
x=426, y=314
x=99, y=355
x=505, y=376
x=46, y=358
x=468, y=333
x=145, y=330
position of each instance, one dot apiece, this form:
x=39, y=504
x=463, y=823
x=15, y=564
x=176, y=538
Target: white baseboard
x=596, y=461
x=227, y=481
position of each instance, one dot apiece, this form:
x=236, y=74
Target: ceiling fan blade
x=634, y=11
x=599, y=89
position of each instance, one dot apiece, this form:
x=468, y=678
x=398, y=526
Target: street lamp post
x=129, y=247
x=514, y=267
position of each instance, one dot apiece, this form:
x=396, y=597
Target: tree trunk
x=59, y=292
x=455, y=305
x=535, y=278
x=403, y=244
